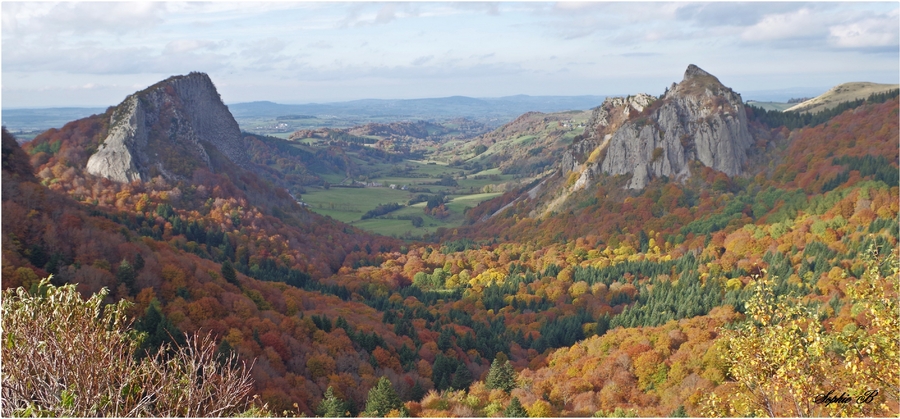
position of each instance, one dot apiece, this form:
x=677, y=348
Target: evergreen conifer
x=501, y=375
x=331, y=406
x=383, y=399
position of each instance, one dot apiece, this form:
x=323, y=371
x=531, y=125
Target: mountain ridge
x=844, y=92
x=507, y=106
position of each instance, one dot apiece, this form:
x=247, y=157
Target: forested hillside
x=620, y=302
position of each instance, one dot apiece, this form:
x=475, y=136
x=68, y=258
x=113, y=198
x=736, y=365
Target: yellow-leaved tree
x=783, y=362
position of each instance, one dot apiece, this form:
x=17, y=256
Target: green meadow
x=349, y=204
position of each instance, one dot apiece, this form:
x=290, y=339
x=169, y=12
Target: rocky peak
x=694, y=71
x=699, y=83
x=697, y=119
x=169, y=129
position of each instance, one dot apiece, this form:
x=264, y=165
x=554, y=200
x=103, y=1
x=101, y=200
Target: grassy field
x=349, y=204
x=460, y=203
x=332, y=178
x=488, y=172
x=472, y=185
x=397, y=223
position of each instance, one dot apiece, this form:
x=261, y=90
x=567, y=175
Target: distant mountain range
x=499, y=110
x=44, y=118
x=507, y=107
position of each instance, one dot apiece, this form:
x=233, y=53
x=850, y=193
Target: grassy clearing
x=471, y=185
x=488, y=172
x=475, y=198
x=395, y=224
x=349, y=204
x=405, y=180
x=523, y=140
x=428, y=162
x=433, y=170
x=332, y=178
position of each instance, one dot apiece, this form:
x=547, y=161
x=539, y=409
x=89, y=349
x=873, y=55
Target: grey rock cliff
x=117, y=158
x=169, y=129
x=697, y=119
x=605, y=120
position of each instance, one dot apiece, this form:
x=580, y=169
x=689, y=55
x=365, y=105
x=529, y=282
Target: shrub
x=76, y=358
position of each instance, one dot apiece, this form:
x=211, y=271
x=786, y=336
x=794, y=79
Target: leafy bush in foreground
x=76, y=358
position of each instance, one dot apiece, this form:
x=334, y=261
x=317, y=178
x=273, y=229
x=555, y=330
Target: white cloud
x=490, y=45
x=181, y=46
x=364, y=14
x=322, y=45
x=867, y=33
x=270, y=45
x=81, y=18
x=422, y=60
x=490, y=8
x=265, y=55
x=92, y=59
x=386, y=14
x=574, y=6
x=717, y=14
x=837, y=28
x=786, y=26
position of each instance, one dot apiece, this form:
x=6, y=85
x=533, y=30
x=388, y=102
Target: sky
x=94, y=54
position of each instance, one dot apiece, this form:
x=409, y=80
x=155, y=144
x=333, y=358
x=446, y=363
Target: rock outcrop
x=168, y=129
x=697, y=119
x=604, y=121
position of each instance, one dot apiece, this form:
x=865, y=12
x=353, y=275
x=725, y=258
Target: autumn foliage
x=617, y=303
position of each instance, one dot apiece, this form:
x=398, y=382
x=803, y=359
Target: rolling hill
x=846, y=92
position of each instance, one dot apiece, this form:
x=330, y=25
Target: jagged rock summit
x=694, y=71
x=169, y=129
x=697, y=119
